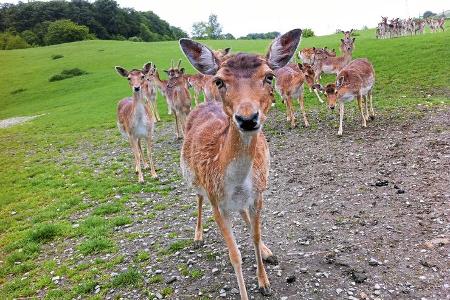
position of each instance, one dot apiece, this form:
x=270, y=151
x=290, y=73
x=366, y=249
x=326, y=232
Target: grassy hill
x=42, y=186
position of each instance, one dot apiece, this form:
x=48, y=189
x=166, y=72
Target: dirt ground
x=362, y=216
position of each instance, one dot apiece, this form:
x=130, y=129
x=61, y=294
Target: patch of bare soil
x=362, y=216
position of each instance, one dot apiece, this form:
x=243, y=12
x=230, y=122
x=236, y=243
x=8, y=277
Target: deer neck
x=138, y=104
x=159, y=82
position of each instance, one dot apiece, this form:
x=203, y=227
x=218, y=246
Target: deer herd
x=398, y=27
x=225, y=155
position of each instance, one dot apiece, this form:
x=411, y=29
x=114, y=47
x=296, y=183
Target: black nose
x=137, y=88
x=332, y=107
x=248, y=123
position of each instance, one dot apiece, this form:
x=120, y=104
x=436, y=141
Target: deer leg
x=196, y=94
x=291, y=111
x=318, y=96
x=366, y=106
x=372, y=113
x=255, y=217
x=176, y=125
x=149, y=156
x=234, y=253
x=288, y=114
x=155, y=109
x=198, y=239
x=141, y=153
x=137, y=160
x=301, y=100
x=265, y=251
x=360, y=105
x=341, y=116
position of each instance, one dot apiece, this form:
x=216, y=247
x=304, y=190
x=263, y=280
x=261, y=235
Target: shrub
x=67, y=74
x=30, y=37
x=65, y=31
x=57, y=56
x=9, y=41
x=307, y=32
x=135, y=39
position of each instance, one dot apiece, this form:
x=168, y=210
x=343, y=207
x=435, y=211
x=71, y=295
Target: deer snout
x=331, y=106
x=137, y=88
x=247, y=123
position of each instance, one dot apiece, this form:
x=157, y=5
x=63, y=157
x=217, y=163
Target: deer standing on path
x=354, y=80
x=135, y=120
x=289, y=83
x=150, y=91
x=225, y=155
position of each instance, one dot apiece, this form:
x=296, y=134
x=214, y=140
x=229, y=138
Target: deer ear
x=318, y=87
x=339, y=82
x=121, y=71
x=300, y=66
x=283, y=48
x=342, y=40
x=354, y=40
x=201, y=57
x=165, y=71
x=182, y=70
x=226, y=51
x=146, y=67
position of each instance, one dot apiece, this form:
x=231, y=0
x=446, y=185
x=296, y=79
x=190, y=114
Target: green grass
x=53, y=172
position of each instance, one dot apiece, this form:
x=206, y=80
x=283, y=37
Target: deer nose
x=137, y=88
x=248, y=123
x=331, y=106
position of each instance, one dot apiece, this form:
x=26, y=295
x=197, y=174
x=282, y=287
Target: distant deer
x=347, y=35
x=197, y=82
x=332, y=65
x=289, y=83
x=150, y=91
x=177, y=95
x=135, y=120
x=225, y=156
x=354, y=80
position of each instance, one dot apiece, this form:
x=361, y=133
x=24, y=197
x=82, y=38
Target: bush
x=135, y=39
x=65, y=31
x=67, y=74
x=9, y=41
x=30, y=37
x=307, y=32
x=57, y=56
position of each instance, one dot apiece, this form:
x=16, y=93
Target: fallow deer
x=225, y=155
x=289, y=83
x=332, y=65
x=347, y=35
x=177, y=95
x=197, y=82
x=354, y=80
x=135, y=120
x=150, y=91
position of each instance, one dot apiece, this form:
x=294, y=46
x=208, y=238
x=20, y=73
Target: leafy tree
x=199, y=30
x=9, y=41
x=30, y=37
x=65, y=31
x=213, y=28
x=228, y=36
x=307, y=32
x=428, y=14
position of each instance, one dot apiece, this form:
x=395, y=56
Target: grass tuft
x=95, y=245
x=43, y=233
x=131, y=277
x=57, y=56
x=67, y=73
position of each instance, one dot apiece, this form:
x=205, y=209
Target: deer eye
x=142, y=77
x=269, y=78
x=129, y=78
x=219, y=83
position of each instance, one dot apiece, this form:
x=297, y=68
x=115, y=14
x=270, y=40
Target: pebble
x=377, y=292
x=215, y=271
x=291, y=279
x=374, y=262
x=338, y=291
x=284, y=298
x=158, y=295
x=158, y=271
x=171, y=280
x=377, y=286
x=234, y=291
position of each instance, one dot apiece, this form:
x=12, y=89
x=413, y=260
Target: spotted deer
x=150, y=91
x=197, y=82
x=332, y=65
x=290, y=81
x=355, y=80
x=225, y=155
x=347, y=35
x=135, y=120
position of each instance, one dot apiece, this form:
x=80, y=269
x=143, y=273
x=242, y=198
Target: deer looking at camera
x=135, y=120
x=150, y=91
x=289, y=84
x=355, y=80
x=177, y=95
x=332, y=65
x=347, y=35
x=225, y=155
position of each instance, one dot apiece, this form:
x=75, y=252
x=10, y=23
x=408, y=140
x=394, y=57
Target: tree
x=228, y=36
x=30, y=37
x=307, y=32
x=199, y=30
x=213, y=29
x=9, y=41
x=65, y=31
x=428, y=14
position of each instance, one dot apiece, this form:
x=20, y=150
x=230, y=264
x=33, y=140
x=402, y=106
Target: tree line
x=80, y=19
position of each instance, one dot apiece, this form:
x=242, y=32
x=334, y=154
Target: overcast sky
x=240, y=17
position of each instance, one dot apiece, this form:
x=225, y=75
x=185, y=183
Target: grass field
x=43, y=187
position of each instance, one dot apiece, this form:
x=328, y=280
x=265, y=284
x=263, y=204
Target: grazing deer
x=332, y=65
x=135, y=119
x=225, y=155
x=289, y=84
x=150, y=91
x=354, y=80
x=177, y=95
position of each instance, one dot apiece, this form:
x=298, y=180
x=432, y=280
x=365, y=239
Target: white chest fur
x=142, y=124
x=238, y=185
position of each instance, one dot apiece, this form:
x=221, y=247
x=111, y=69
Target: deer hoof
x=198, y=244
x=372, y=118
x=265, y=290
x=272, y=260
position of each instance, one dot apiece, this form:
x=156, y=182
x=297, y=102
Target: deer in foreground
x=135, y=120
x=332, y=65
x=150, y=91
x=177, y=95
x=356, y=80
x=289, y=83
x=225, y=155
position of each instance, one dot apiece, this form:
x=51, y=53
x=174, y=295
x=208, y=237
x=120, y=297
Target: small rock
x=436, y=242
x=377, y=286
x=234, y=291
x=303, y=270
x=171, y=280
x=284, y=298
x=381, y=183
x=400, y=191
x=158, y=295
x=338, y=291
x=358, y=276
x=291, y=279
x=215, y=271
x=377, y=292
x=373, y=262
x=158, y=271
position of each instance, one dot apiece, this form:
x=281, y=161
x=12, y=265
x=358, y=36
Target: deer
x=196, y=81
x=150, y=91
x=177, y=95
x=135, y=119
x=289, y=83
x=355, y=80
x=347, y=35
x=332, y=65
x=225, y=155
